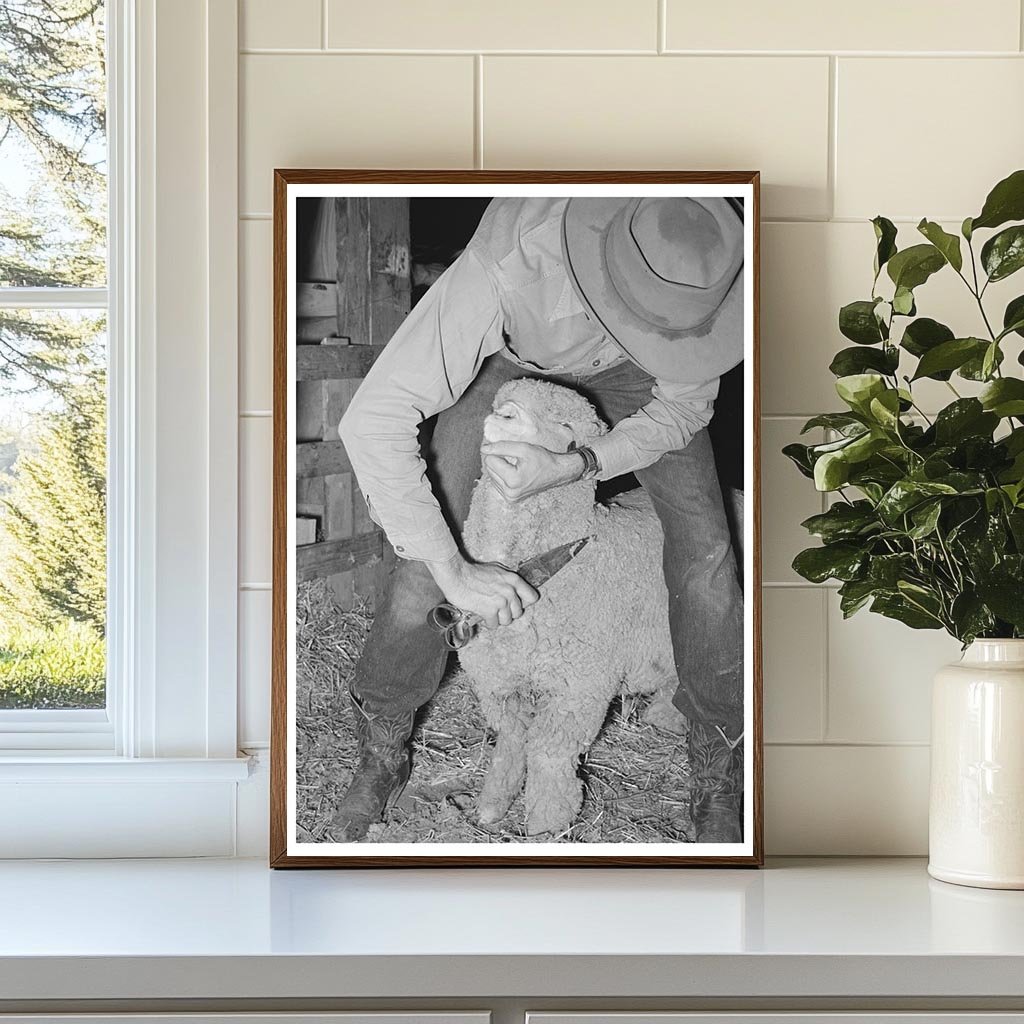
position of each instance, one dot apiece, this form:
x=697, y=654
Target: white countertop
x=233, y=929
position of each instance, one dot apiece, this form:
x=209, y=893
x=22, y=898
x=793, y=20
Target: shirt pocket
x=567, y=304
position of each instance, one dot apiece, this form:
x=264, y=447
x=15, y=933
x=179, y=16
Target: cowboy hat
x=663, y=277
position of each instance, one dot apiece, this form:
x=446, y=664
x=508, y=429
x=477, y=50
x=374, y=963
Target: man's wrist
x=448, y=570
x=590, y=463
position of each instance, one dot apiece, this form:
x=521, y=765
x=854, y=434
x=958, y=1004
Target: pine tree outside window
x=53, y=368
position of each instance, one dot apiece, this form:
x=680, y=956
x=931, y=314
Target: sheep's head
x=539, y=412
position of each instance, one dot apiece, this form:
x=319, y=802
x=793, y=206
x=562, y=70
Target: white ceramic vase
x=976, y=817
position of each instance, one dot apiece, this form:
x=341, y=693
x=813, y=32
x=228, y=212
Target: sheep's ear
x=508, y=409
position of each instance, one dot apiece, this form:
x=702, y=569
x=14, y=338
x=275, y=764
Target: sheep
x=600, y=629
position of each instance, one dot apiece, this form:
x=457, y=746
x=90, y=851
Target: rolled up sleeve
x=425, y=368
x=667, y=423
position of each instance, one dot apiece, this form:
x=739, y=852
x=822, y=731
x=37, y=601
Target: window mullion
x=53, y=298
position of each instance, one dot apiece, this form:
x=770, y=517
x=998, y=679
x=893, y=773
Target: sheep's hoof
x=555, y=812
x=490, y=813
x=491, y=808
x=548, y=820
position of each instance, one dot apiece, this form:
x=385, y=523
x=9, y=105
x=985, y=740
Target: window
x=53, y=368
x=155, y=311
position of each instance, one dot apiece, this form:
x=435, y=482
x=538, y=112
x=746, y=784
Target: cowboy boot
x=380, y=775
x=716, y=781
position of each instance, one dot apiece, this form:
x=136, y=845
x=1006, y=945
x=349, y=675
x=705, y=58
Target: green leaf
x=1004, y=397
x=1013, y=318
x=1005, y=202
x=857, y=321
x=924, y=334
x=843, y=521
x=866, y=445
x=850, y=361
x=885, y=237
x=990, y=361
x=800, y=456
x=858, y=389
x=899, y=608
x=925, y=518
x=841, y=421
x=833, y=462
x=948, y=356
x=840, y=561
x=970, y=617
x=965, y=229
x=906, y=494
x=903, y=302
x=887, y=570
x=1003, y=254
x=974, y=368
x=854, y=594
x=947, y=244
x=831, y=471
x=912, y=267
x=885, y=409
x=1006, y=599
x=966, y=417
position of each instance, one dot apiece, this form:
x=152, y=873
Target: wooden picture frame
x=357, y=562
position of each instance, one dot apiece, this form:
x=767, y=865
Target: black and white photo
x=515, y=488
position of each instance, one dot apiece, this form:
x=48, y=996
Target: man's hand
x=519, y=469
x=494, y=593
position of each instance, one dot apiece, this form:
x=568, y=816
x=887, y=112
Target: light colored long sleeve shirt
x=508, y=292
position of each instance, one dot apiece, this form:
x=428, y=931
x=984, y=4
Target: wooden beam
x=334, y=362
x=353, y=262
x=334, y=556
x=321, y=458
x=390, y=289
x=313, y=329
x=316, y=298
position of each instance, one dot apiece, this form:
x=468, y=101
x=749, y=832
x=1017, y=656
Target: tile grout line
x=478, y=111
x=1020, y=25
x=827, y=587
x=826, y=649
x=323, y=24
x=852, y=744
x=353, y=51
x=825, y=716
x=662, y=26
x=831, y=171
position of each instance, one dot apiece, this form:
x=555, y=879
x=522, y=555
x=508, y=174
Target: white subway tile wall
x=700, y=113
x=911, y=111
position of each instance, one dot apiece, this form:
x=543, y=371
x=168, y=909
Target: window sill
x=78, y=805
x=77, y=766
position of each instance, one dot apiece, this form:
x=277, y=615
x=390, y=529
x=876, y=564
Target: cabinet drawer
x=785, y=1017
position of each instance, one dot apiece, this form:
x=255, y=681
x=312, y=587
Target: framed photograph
x=516, y=570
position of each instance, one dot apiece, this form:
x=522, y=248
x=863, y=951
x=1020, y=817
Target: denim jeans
x=404, y=659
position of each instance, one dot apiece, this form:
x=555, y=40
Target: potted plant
x=926, y=521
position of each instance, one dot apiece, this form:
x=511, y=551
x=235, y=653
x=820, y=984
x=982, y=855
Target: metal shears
x=458, y=627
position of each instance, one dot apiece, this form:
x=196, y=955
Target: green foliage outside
x=52, y=379
x=927, y=525
x=54, y=520
x=58, y=667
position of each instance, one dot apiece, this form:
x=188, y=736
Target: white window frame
x=169, y=733
x=65, y=730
